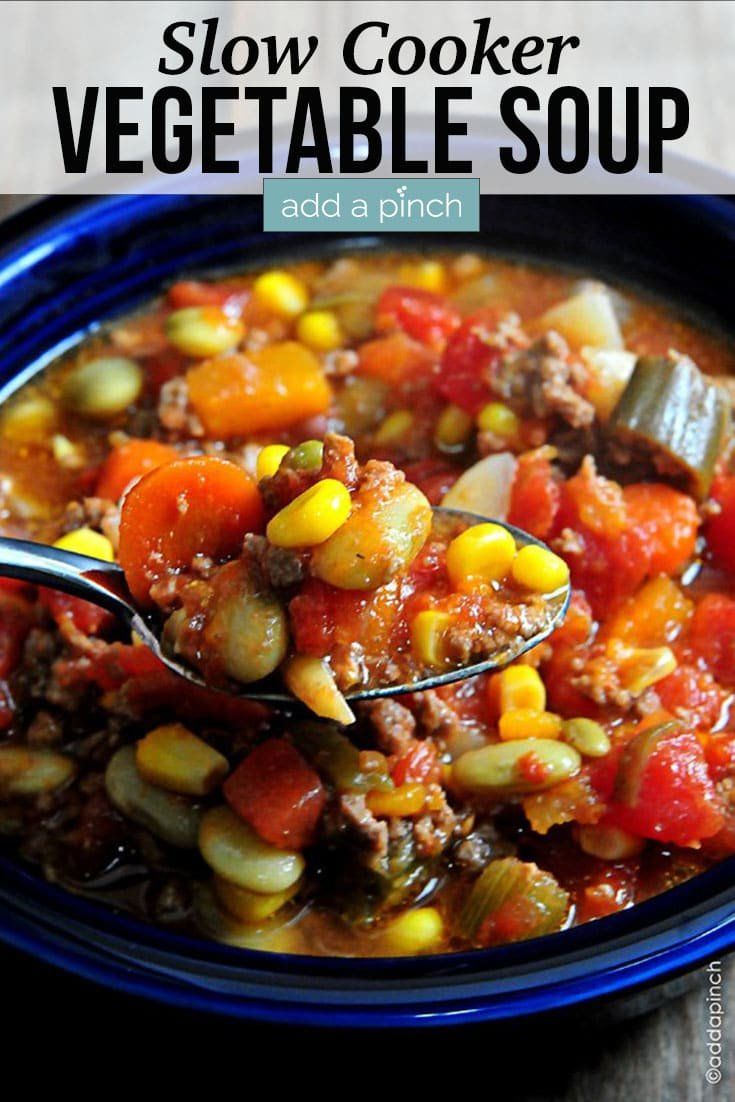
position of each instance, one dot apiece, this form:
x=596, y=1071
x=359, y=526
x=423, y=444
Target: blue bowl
x=64, y=265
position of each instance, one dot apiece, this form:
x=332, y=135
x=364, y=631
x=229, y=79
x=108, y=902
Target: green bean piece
x=671, y=411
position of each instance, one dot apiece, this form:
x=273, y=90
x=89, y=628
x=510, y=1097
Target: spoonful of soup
x=323, y=580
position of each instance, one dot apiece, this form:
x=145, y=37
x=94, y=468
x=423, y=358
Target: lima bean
x=235, y=852
x=29, y=772
x=102, y=388
x=381, y=537
x=169, y=817
x=497, y=769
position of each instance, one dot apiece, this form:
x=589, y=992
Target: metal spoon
x=103, y=584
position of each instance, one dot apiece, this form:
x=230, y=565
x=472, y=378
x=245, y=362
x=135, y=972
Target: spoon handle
x=102, y=583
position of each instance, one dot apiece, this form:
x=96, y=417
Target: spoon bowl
x=104, y=584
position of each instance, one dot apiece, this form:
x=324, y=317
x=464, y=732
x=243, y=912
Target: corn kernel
x=408, y=799
x=394, y=428
x=85, y=541
x=312, y=517
x=499, y=419
x=281, y=293
x=203, y=331
x=429, y=275
x=428, y=637
x=417, y=931
x=173, y=758
x=519, y=723
x=520, y=687
x=250, y=906
x=453, y=429
x=539, y=569
x=320, y=330
x=482, y=553
x=269, y=459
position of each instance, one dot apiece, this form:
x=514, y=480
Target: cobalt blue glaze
x=65, y=265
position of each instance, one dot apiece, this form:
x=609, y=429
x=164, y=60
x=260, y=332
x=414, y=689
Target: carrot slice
x=129, y=461
x=270, y=388
x=202, y=505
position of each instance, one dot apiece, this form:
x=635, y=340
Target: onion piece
x=485, y=487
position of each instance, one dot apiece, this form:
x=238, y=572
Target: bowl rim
x=670, y=933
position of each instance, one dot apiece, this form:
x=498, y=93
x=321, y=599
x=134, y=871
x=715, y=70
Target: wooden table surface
x=661, y=1057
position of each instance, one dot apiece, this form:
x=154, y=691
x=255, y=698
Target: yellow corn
x=85, y=541
x=312, y=517
x=428, y=636
x=453, y=429
x=429, y=275
x=394, y=428
x=30, y=419
x=520, y=687
x=250, y=906
x=269, y=459
x=173, y=758
x=518, y=723
x=203, y=331
x=482, y=553
x=498, y=419
x=320, y=330
x=417, y=931
x=539, y=569
x=281, y=293
x=408, y=799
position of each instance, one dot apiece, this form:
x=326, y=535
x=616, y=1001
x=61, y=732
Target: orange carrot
x=270, y=388
x=202, y=505
x=130, y=461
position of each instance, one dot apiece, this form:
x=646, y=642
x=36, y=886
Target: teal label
x=431, y=205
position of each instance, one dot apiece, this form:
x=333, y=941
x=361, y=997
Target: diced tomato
x=720, y=529
x=577, y=624
x=468, y=362
x=607, y=570
x=672, y=797
x=312, y=615
x=161, y=367
x=610, y=891
x=129, y=461
x=418, y=765
x=433, y=477
x=691, y=691
x=395, y=359
x=535, y=495
x=719, y=750
x=86, y=617
x=712, y=636
x=278, y=793
x=16, y=620
x=193, y=292
x=592, y=503
x=425, y=316
x=563, y=696
x=669, y=521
